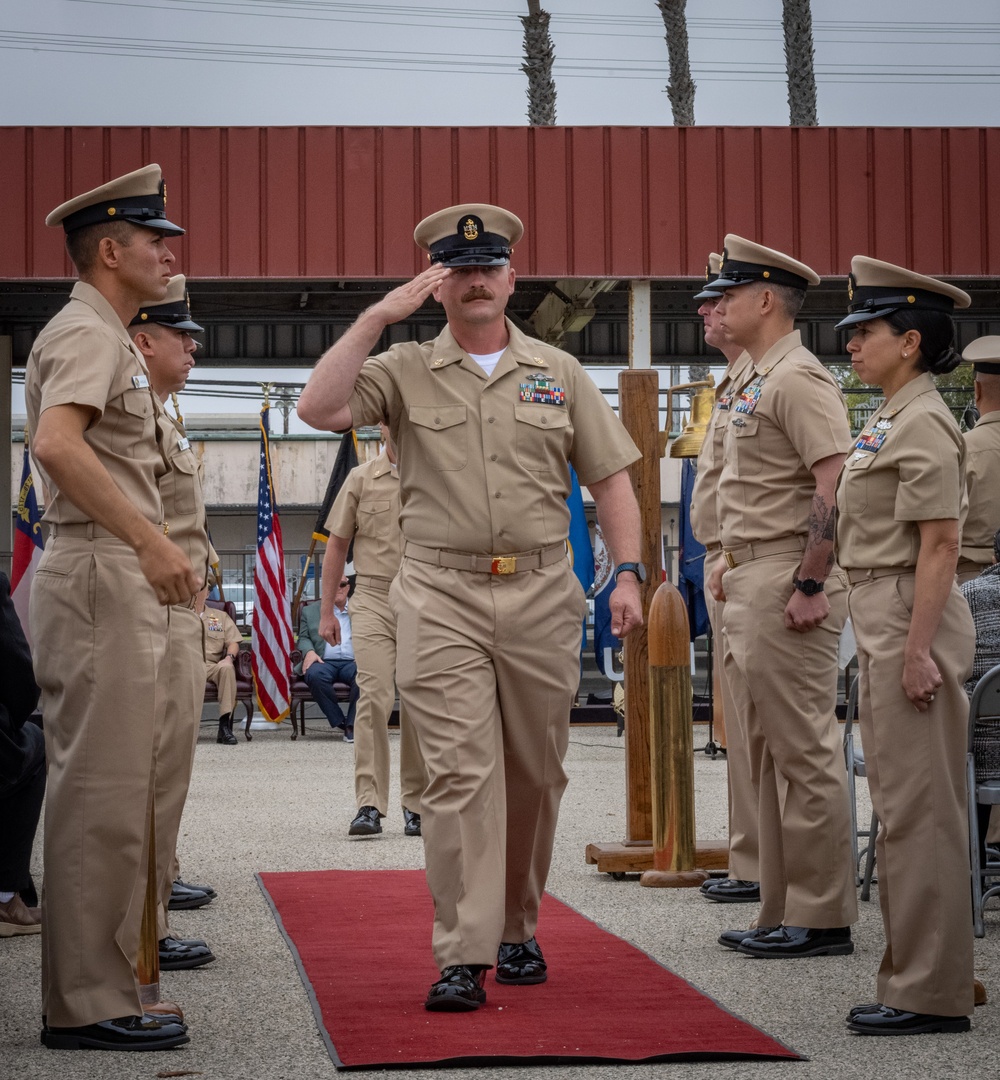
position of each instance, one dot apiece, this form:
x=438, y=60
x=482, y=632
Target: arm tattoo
x=822, y=522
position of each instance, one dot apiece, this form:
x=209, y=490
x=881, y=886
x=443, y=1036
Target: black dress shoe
x=733, y=939
x=857, y=1010
x=184, y=897
x=731, y=891
x=206, y=889
x=886, y=1021
x=411, y=821
x=460, y=989
x=367, y=822
x=176, y=956
x=795, y=941
x=520, y=964
x=125, y=1033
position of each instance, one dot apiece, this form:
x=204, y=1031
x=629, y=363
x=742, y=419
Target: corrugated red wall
x=341, y=202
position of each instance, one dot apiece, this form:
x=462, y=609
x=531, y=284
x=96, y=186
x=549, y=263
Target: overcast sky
x=189, y=62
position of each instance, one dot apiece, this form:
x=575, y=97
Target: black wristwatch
x=809, y=586
x=636, y=567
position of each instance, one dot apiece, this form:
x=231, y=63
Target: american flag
x=28, y=544
x=272, y=624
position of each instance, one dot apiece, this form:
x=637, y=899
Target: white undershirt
x=488, y=361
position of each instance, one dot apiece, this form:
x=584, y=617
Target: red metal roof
x=341, y=202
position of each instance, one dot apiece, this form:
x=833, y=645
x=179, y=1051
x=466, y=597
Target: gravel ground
x=274, y=804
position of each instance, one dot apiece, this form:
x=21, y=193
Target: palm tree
x=680, y=89
x=539, y=53
x=796, y=17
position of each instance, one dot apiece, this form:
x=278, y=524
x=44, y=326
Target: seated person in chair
x=222, y=643
x=324, y=664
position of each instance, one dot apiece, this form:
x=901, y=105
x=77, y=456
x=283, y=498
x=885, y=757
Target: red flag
x=28, y=544
x=272, y=623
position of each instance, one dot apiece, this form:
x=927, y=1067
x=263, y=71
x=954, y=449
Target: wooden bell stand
x=638, y=397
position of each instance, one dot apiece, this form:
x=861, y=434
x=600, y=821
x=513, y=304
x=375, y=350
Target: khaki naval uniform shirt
x=907, y=466
x=484, y=460
x=99, y=644
x=488, y=665
x=787, y=415
x=367, y=510
x=982, y=477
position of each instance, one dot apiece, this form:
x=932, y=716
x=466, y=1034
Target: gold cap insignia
x=911, y=299
x=767, y=274
x=469, y=230
x=144, y=316
x=112, y=211
x=850, y=287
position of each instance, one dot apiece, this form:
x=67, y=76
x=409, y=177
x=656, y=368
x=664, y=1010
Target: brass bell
x=690, y=440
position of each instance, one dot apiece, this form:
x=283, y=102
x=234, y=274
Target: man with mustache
x=488, y=610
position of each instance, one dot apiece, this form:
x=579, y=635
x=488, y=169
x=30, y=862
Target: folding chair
x=984, y=712
x=856, y=767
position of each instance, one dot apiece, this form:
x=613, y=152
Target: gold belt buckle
x=504, y=564
x=730, y=561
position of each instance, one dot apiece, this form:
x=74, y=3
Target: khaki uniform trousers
x=916, y=776
x=185, y=664
x=224, y=677
x=784, y=687
x=100, y=641
x=373, y=631
x=743, y=858
x=488, y=667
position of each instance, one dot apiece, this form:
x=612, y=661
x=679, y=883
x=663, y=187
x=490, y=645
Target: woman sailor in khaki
x=900, y=501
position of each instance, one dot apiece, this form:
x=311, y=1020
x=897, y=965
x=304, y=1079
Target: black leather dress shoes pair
x=185, y=897
x=124, y=1033
x=878, y=1019
x=179, y=954
x=460, y=989
x=411, y=823
x=797, y=941
x=368, y=822
x=731, y=891
x=520, y=964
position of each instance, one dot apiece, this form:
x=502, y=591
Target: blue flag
x=691, y=579
x=581, y=551
x=604, y=584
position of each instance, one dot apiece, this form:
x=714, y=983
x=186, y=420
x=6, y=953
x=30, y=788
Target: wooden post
x=148, y=962
x=672, y=744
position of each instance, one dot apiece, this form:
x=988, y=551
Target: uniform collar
x=90, y=296
x=989, y=418
x=777, y=352
x=520, y=350
x=734, y=373
x=922, y=384
x=382, y=464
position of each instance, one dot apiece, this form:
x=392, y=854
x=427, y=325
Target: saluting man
x=163, y=332
x=785, y=605
x=488, y=609
x=100, y=613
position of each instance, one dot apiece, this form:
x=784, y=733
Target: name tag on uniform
x=746, y=403
x=184, y=442
x=140, y=382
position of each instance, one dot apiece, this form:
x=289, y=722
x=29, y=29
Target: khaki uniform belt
x=855, y=577
x=760, y=548
x=376, y=584
x=515, y=563
x=85, y=529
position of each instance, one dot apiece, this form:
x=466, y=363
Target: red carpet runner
x=362, y=943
